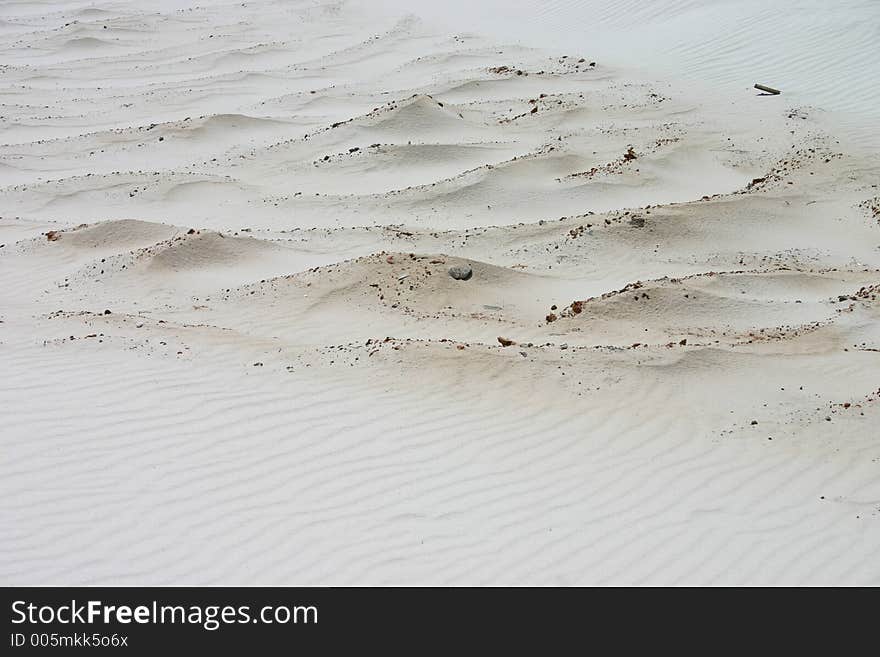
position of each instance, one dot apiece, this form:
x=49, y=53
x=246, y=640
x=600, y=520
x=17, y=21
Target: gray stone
x=462, y=273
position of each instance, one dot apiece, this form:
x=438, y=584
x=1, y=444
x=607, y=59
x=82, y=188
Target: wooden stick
x=769, y=90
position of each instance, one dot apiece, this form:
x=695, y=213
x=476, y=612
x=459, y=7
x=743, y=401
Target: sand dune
x=234, y=353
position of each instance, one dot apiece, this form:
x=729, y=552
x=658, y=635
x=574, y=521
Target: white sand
x=288, y=388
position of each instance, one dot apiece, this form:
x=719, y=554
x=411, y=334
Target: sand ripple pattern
x=232, y=352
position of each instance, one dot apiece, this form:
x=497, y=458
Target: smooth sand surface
x=231, y=351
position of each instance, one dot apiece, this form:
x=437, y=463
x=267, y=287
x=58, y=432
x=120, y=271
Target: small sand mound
x=206, y=250
x=109, y=235
x=733, y=308
x=422, y=118
x=87, y=43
